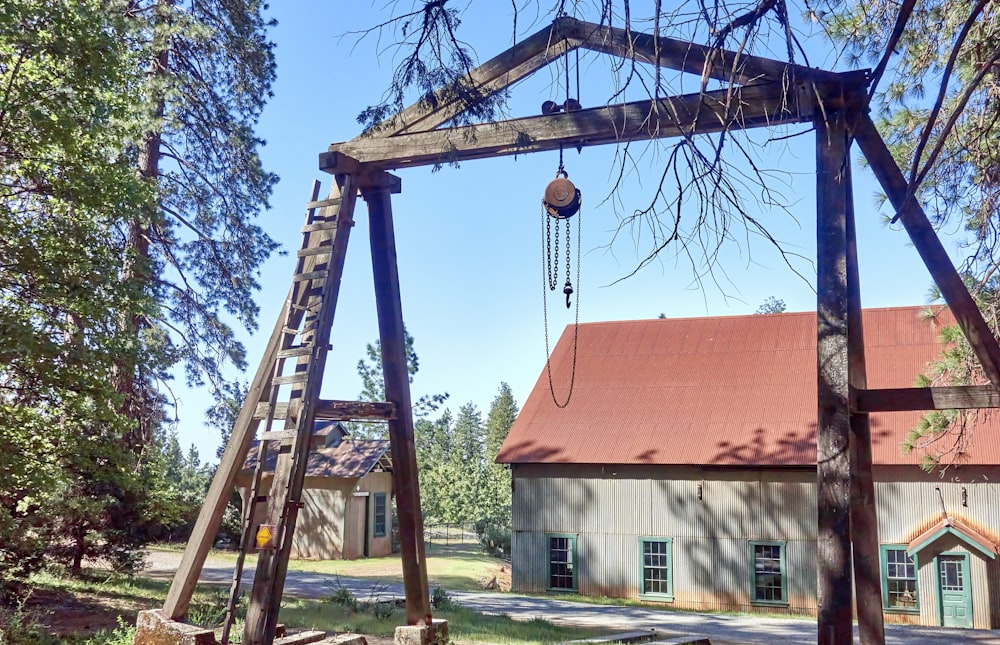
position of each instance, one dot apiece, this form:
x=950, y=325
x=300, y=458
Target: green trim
x=782, y=573
x=957, y=532
x=656, y=595
x=572, y=563
x=380, y=522
x=884, y=559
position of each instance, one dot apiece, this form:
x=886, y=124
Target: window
x=562, y=562
x=380, y=513
x=769, y=575
x=656, y=568
x=899, y=579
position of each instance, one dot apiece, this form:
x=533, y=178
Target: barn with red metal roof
x=683, y=471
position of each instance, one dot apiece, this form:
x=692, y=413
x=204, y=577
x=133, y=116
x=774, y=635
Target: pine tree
x=494, y=528
x=466, y=462
x=197, y=249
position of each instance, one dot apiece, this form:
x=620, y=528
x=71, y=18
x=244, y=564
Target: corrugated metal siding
x=609, y=508
x=528, y=566
x=906, y=508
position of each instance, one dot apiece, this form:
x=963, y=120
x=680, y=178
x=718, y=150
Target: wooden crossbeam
x=904, y=399
x=701, y=60
x=925, y=240
x=708, y=112
x=327, y=410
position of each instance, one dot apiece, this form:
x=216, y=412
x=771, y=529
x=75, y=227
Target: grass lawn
x=101, y=610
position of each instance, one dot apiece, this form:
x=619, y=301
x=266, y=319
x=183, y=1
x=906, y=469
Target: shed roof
x=350, y=458
x=725, y=391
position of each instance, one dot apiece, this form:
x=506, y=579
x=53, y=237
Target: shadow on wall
x=320, y=525
x=738, y=502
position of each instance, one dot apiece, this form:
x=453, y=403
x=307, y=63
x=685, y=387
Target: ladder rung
x=336, y=411
x=280, y=411
x=290, y=379
x=312, y=275
x=279, y=435
x=323, y=203
x=321, y=226
x=294, y=351
x=315, y=250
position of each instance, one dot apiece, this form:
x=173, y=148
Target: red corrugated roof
x=736, y=390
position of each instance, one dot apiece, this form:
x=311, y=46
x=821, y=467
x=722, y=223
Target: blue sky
x=469, y=239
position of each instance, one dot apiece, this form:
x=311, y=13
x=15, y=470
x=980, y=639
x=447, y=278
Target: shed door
x=955, y=590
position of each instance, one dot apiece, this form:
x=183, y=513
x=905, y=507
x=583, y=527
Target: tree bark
x=135, y=270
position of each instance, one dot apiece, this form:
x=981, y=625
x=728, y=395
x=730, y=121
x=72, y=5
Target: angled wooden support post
x=925, y=240
x=397, y=392
x=833, y=485
x=864, y=519
x=206, y=527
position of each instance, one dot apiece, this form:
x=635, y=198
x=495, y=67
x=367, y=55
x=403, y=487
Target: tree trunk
x=135, y=272
x=79, y=548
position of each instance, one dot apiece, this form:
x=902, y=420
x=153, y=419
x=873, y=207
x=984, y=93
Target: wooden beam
x=328, y=410
x=864, y=518
x=496, y=74
x=833, y=415
x=702, y=113
x=959, y=397
x=925, y=240
x=701, y=60
x=565, y=34
x=406, y=487
x=206, y=527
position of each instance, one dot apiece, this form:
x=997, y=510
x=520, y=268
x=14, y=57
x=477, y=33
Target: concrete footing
x=153, y=628
x=434, y=634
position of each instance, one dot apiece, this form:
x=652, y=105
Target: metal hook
x=568, y=290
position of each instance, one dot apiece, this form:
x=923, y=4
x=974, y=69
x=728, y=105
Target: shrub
x=441, y=600
x=343, y=597
x=494, y=534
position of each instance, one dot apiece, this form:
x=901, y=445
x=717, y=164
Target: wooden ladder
x=284, y=397
x=297, y=373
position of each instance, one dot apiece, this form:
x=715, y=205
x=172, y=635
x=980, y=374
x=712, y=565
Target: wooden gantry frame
x=760, y=93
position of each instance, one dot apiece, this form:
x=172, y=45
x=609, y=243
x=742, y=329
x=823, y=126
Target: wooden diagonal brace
x=700, y=60
x=925, y=240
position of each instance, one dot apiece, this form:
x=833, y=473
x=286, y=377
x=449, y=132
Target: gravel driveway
x=733, y=629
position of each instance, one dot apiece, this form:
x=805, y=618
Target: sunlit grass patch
x=464, y=625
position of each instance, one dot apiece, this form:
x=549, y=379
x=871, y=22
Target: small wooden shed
x=347, y=499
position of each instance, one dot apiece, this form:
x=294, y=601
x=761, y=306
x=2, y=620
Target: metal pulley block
x=562, y=198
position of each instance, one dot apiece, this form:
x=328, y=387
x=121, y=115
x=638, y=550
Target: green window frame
x=381, y=512
x=656, y=568
x=900, y=592
x=768, y=573
x=560, y=554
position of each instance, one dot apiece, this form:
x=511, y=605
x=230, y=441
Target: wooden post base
x=154, y=628
x=434, y=634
